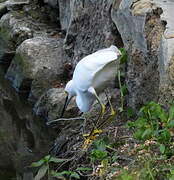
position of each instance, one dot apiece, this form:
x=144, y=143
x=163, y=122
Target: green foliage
x=149, y=157
x=171, y=174
x=83, y=169
x=124, y=56
x=103, y=155
x=155, y=123
x=41, y=172
x=63, y=174
x=126, y=175
x=99, y=152
x=44, y=166
x=44, y=169
x=98, y=155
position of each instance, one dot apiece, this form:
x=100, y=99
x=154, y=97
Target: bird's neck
x=72, y=89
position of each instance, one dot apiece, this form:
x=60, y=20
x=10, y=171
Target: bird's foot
x=89, y=138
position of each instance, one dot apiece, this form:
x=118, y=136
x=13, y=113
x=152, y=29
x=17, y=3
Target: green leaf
x=38, y=163
x=170, y=124
x=83, y=169
x=162, y=148
x=130, y=112
x=164, y=136
x=57, y=175
x=163, y=116
x=57, y=160
x=98, y=155
x=124, y=89
x=66, y=172
x=47, y=158
x=140, y=122
x=147, y=134
x=124, y=56
x=75, y=175
x=138, y=134
x=41, y=173
x=100, y=145
x=171, y=112
x=172, y=171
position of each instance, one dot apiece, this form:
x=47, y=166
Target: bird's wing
x=105, y=76
x=87, y=68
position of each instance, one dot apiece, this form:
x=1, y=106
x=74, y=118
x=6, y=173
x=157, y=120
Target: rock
x=33, y=55
x=143, y=34
x=52, y=3
x=13, y=30
x=11, y=5
x=16, y=4
x=15, y=27
x=50, y=105
x=21, y=134
x=3, y=9
x=88, y=27
x=166, y=54
x=44, y=80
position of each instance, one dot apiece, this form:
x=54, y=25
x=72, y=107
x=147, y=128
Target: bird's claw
x=89, y=138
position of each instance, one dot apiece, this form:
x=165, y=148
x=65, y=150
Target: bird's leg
x=112, y=109
x=95, y=130
x=103, y=108
x=111, y=116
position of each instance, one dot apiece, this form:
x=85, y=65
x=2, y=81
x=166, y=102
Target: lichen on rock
x=33, y=55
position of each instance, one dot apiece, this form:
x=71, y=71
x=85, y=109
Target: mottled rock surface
x=3, y=9
x=13, y=30
x=142, y=25
x=50, y=105
x=33, y=55
x=88, y=27
x=23, y=137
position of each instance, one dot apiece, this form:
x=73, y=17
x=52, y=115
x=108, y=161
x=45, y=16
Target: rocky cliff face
x=42, y=41
x=146, y=29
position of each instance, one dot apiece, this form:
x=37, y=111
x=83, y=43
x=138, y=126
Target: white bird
x=91, y=76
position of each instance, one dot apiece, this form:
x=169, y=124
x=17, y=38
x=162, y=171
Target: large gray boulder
x=3, y=9
x=43, y=81
x=24, y=138
x=52, y=3
x=16, y=26
x=33, y=55
x=142, y=25
x=50, y=105
x=13, y=31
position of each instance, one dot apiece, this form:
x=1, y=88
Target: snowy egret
x=91, y=76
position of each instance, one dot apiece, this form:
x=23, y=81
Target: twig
x=65, y=162
x=126, y=137
x=115, y=132
x=124, y=158
x=113, y=149
x=65, y=119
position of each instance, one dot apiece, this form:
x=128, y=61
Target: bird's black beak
x=67, y=101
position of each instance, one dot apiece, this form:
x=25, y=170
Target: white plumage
x=91, y=76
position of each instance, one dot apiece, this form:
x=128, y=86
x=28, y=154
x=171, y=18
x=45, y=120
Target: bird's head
x=70, y=93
